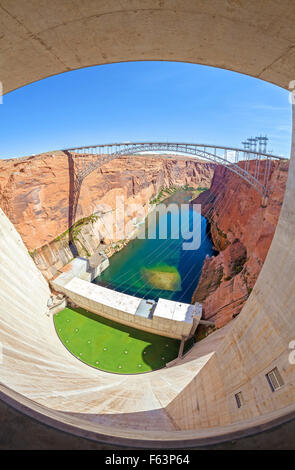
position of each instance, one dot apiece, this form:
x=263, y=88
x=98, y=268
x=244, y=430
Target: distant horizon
x=143, y=102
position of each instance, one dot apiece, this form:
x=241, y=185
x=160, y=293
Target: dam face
x=193, y=403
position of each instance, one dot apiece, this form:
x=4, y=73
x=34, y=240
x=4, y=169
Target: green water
x=153, y=268
x=110, y=346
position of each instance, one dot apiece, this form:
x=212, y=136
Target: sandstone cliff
x=34, y=193
x=242, y=230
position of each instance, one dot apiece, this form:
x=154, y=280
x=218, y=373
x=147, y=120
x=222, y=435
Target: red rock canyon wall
x=242, y=230
x=34, y=194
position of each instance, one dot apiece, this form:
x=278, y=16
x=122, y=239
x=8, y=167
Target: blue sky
x=143, y=101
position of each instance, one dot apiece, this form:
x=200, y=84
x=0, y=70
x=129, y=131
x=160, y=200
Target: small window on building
x=239, y=399
x=274, y=379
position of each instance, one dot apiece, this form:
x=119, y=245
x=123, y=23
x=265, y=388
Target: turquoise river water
x=153, y=268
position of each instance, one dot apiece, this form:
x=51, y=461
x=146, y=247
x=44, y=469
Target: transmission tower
x=262, y=140
x=253, y=143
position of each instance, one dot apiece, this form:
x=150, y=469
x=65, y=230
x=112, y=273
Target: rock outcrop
x=242, y=231
x=34, y=194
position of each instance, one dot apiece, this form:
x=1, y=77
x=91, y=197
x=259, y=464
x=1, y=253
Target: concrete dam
x=238, y=381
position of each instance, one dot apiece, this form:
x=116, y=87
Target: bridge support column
x=180, y=352
x=264, y=201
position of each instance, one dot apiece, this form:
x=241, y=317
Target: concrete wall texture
x=193, y=401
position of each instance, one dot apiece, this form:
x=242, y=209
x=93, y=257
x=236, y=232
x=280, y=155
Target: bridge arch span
x=240, y=164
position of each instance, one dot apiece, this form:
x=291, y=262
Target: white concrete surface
x=177, y=311
x=44, y=38
x=103, y=296
x=81, y=268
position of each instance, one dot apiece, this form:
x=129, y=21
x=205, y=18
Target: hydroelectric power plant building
x=165, y=317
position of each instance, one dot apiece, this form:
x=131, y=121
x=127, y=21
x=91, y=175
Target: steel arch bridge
x=257, y=174
x=252, y=166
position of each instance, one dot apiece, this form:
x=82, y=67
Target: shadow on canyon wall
x=75, y=184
